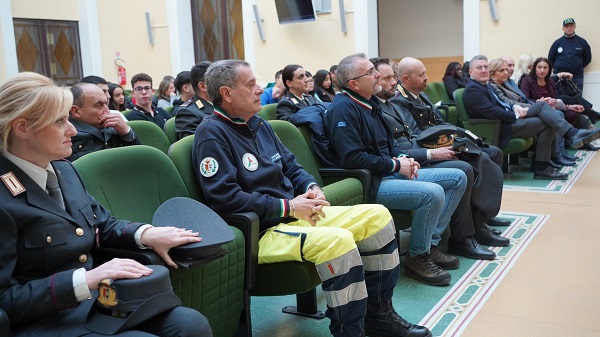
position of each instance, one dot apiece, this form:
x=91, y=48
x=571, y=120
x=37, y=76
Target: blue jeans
x=433, y=196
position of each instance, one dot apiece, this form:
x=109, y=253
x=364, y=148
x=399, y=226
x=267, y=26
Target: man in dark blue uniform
x=190, y=114
x=570, y=53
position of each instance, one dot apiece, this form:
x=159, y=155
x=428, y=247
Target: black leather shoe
x=382, y=320
x=583, y=137
x=484, y=235
x=495, y=221
x=567, y=156
x=550, y=174
x=553, y=165
x=562, y=162
x=590, y=147
x=471, y=249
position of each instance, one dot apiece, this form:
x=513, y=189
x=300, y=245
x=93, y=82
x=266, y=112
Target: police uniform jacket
x=421, y=108
x=352, y=124
x=42, y=244
x=289, y=104
x=90, y=139
x=190, y=114
x=243, y=167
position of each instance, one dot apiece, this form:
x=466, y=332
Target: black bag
x=567, y=87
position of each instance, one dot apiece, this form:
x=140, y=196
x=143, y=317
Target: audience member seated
x=97, y=127
x=324, y=86
x=183, y=85
x=411, y=112
x=465, y=69
x=49, y=290
x=117, y=97
x=334, y=84
x=310, y=89
x=294, y=96
x=166, y=92
x=353, y=248
x=499, y=80
x=273, y=94
x=453, y=78
x=143, y=110
x=190, y=114
x=522, y=68
x=482, y=101
x=361, y=139
x=99, y=81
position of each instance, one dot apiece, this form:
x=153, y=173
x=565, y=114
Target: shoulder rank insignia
x=199, y=104
x=12, y=183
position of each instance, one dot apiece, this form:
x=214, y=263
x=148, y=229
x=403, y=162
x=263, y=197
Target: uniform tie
x=54, y=189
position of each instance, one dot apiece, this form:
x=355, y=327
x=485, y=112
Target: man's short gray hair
x=222, y=73
x=478, y=58
x=348, y=69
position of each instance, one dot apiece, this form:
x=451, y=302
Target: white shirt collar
x=36, y=173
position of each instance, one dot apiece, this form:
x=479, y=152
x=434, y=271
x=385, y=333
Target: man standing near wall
x=570, y=53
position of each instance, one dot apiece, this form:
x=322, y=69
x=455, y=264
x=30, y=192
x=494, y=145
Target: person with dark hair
x=190, y=114
x=310, y=89
x=183, y=85
x=97, y=127
x=51, y=225
x=242, y=166
x=99, y=81
x=453, y=78
x=295, y=96
x=273, y=94
x=334, y=83
x=409, y=113
x=324, y=86
x=117, y=99
x=143, y=109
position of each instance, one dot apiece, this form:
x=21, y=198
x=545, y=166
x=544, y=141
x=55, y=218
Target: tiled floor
x=550, y=290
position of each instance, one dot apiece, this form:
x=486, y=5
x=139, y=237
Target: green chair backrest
x=431, y=93
x=181, y=155
x=460, y=105
x=150, y=134
x=170, y=130
x=126, y=112
x=440, y=91
x=267, y=112
x=131, y=181
x=169, y=109
x=293, y=139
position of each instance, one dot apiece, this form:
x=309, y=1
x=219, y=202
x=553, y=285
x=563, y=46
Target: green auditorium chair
x=447, y=103
x=273, y=279
x=170, y=130
x=267, y=112
x=150, y=134
x=490, y=129
x=169, y=109
x=132, y=182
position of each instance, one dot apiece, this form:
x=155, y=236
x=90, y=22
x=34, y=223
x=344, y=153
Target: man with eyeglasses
x=143, y=110
x=482, y=101
x=361, y=139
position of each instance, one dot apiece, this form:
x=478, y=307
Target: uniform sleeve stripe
x=285, y=208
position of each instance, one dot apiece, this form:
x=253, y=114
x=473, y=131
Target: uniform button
x=95, y=216
x=80, y=146
x=79, y=231
x=82, y=258
x=49, y=239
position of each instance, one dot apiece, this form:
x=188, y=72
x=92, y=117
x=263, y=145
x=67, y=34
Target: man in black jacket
x=469, y=219
x=97, y=127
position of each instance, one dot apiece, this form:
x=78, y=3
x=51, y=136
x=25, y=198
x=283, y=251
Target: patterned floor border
x=553, y=186
x=454, y=312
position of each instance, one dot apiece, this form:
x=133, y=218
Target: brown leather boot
x=446, y=261
x=422, y=268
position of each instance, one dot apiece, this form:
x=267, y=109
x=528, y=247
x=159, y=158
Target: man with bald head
x=410, y=113
x=97, y=127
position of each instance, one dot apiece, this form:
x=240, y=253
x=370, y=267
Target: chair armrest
x=143, y=256
x=4, y=324
x=248, y=224
x=488, y=128
x=331, y=174
x=448, y=103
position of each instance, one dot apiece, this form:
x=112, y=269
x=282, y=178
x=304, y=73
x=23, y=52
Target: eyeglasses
x=140, y=89
x=480, y=68
x=369, y=73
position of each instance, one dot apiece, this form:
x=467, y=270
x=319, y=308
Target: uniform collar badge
x=12, y=183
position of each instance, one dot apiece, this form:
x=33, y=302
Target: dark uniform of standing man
x=190, y=114
x=570, y=53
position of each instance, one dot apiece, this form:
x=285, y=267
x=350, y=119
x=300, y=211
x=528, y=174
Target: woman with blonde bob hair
x=49, y=223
